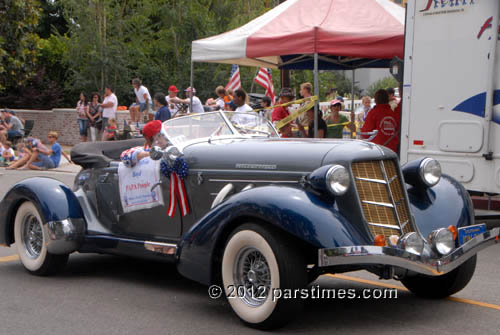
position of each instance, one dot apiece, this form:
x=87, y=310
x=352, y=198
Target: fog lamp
x=411, y=243
x=442, y=241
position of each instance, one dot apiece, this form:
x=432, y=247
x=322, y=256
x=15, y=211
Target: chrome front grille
x=382, y=197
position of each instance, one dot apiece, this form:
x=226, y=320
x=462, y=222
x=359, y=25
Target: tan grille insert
x=384, y=211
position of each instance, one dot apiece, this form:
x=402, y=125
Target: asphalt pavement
x=100, y=294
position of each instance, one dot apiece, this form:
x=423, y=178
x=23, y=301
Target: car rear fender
x=303, y=215
x=54, y=200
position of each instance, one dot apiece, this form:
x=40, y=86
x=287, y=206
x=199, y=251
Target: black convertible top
x=99, y=154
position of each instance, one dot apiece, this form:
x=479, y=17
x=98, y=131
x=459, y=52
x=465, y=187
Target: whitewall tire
x=30, y=235
x=256, y=263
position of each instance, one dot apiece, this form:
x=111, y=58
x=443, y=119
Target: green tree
x=382, y=84
x=18, y=41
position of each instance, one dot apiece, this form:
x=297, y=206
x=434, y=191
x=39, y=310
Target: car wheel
x=256, y=264
x=441, y=286
x=30, y=236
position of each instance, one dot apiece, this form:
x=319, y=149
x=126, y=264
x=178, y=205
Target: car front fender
x=447, y=203
x=54, y=201
x=294, y=211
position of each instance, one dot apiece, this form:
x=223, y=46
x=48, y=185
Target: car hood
x=279, y=154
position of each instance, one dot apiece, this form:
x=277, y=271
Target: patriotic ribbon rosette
x=176, y=172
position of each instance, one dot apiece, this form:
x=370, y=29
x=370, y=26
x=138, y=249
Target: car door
x=144, y=223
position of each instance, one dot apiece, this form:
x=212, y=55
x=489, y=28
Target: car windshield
x=182, y=130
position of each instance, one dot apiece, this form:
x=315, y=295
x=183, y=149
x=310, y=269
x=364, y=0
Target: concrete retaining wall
x=61, y=120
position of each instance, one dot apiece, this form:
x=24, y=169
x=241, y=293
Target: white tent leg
x=191, y=79
x=316, y=93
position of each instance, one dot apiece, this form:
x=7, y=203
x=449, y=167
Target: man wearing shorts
x=109, y=107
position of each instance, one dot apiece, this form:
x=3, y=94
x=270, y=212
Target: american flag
x=265, y=79
x=235, y=81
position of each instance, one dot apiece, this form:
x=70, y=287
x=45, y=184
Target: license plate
x=465, y=234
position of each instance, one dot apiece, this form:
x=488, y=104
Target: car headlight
x=430, y=171
x=412, y=243
x=442, y=241
x=337, y=180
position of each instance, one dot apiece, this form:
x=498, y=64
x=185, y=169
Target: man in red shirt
x=279, y=113
x=383, y=119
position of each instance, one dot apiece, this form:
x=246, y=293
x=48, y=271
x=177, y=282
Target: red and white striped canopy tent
x=346, y=34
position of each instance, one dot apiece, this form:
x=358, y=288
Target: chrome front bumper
x=427, y=265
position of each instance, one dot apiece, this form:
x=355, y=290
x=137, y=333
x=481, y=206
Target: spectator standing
x=162, y=113
x=82, y=109
x=384, y=120
x=393, y=101
x=322, y=128
x=306, y=90
x=10, y=126
x=143, y=99
x=197, y=105
x=172, y=93
x=335, y=118
x=109, y=106
x=95, y=121
x=280, y=112
x=364, y=109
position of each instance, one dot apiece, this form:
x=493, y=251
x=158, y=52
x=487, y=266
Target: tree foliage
x=382, y=84
x=69, y=46
x=18, y=41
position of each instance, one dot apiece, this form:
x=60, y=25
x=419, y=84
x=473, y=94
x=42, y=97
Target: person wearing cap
x=280, y=112
x=197, y=107
x=172, y=93
x=152, y=134
x=335, y=118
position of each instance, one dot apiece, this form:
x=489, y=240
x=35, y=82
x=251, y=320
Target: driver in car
x=153, y=136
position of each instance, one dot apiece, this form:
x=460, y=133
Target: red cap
x=173, y=88
x=151, y=128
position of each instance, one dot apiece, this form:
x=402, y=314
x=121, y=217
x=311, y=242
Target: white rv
x=451, y=92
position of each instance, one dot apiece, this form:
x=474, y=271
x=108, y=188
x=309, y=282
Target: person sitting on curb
x=152, y=134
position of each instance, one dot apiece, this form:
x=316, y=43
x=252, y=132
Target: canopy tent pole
x=191, y=85
x=316, y=93
x=353, y=115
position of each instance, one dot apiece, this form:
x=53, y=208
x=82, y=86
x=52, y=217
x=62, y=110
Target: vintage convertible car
x=256, y=213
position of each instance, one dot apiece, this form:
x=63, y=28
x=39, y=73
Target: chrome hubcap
x=252, y=277
x=32, y=236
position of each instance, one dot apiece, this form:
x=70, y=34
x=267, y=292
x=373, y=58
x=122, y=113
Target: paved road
x=99, y=294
